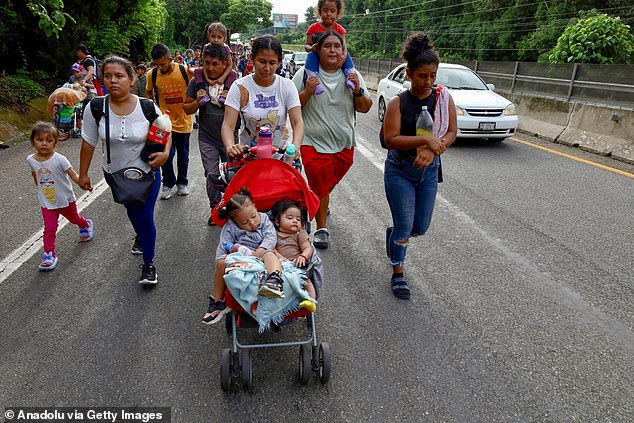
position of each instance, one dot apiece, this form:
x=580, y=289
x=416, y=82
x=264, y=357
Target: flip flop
x=400, y=288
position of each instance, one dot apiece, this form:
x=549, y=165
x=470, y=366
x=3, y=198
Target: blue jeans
x=180, y=147
x=411, y=194
x=142, y=219
x=312, y=63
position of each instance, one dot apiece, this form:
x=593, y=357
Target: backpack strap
x=154, y=87
x=184, y=73
x=97, y=108
x=148, y=108
x=155, y=76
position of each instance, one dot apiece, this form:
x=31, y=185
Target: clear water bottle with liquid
x=424, y=126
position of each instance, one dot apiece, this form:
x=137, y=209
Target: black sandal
x=400, y=288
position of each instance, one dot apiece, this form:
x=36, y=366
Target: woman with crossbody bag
x=413, y=161
x=122, y=122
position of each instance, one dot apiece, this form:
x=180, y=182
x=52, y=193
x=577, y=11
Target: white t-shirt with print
x=267, y=106
x=127, y=137
x=54, y=189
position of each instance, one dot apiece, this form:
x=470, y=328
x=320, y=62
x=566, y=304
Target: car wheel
x=381, y=109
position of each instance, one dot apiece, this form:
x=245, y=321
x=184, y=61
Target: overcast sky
x=293, y=7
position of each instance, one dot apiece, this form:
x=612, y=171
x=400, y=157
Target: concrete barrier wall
x=600, y=129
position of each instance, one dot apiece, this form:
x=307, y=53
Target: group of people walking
x=315, y=112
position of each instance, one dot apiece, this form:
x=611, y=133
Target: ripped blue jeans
x=411, y=194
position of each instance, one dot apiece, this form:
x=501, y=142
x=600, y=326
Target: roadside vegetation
x=38, y=37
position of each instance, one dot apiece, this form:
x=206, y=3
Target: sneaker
x=86, y=234
x=210, y=221
x=182, y=190
x=136, y=247
x=321, y=238
x=49, y=262
x=319, y=90
x=148, y=274
x=273, y=287
x=166, y=193
x=204, y=100
x=216, y=310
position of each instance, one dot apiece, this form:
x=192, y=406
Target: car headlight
x=510, y=110
x=459, y=111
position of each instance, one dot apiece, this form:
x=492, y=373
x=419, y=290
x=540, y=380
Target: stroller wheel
x=225, y=369
x=64, y=135
x=246, y=372
x=324, y=363
x=305, y=367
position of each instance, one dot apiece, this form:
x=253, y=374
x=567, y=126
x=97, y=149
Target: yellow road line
x=611, y=169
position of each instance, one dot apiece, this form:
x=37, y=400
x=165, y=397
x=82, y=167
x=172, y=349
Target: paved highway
x=521, y=306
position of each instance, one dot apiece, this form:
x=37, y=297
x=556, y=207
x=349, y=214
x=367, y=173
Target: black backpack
x=147, y=105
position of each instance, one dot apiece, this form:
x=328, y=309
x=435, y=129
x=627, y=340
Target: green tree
x=51, y=16
x=188, y=19
x=595, y=39
x=239, y=14
x=310, y=15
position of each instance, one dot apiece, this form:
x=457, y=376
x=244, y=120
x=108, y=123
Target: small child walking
x=292, y=241
x=251, y=233
x=329, y=11
x=51, y=172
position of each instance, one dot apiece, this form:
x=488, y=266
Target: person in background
x=171, y=83
x=89, y=65
x=212, y=151
x=189, y=56
x=141, y=80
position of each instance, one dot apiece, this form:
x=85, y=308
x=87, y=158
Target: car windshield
x=300, y=56
x=459, y=79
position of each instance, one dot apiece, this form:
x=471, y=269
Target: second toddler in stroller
x=252, y=233
x=292, y=241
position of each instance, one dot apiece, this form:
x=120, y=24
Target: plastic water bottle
x=265, y=142
x=424, y=126
x=157, y=136
x=234, y=248
x=289, y=154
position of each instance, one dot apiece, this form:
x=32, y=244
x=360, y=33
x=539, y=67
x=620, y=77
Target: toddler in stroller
x=271, y=181
x=251, y=233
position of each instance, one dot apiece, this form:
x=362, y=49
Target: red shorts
x=324, y=171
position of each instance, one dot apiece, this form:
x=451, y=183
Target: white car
x=481, y=113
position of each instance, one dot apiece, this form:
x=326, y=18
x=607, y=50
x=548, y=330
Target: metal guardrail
x=587, y=83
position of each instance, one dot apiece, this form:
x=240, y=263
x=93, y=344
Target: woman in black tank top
x=412, y=164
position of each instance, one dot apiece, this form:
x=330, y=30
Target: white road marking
x=27, y=250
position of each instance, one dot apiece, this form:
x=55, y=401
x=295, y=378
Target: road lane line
x=27, y=250
x=565, y=295
x=578, y=159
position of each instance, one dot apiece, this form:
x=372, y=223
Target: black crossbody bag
x=130, y=186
